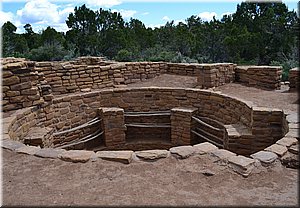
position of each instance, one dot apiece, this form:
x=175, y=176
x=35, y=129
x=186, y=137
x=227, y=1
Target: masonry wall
x=294, y=75
x=267, y=77
x=73, y=110
x=22, y=85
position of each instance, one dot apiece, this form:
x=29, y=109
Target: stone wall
x=266, y=77
x=262, y=125
x=294, y=75
x=22, y=85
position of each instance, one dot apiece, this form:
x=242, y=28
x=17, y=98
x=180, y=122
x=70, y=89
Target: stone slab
x=28, y=150
x=293, y=118
x=294, y=149
x=241, y=164
x=182, y=152
x=222, y=154
x=293, y=133
x=265, y=157
x=278, y=149
x=122, y=156
x=152, y=154
x=290, y=160
x=76, y=156
x=11, y=145
x=49, y=153
x=287, y=141
x=204, y=148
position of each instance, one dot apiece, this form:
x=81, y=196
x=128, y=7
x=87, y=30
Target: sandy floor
x=29, y=180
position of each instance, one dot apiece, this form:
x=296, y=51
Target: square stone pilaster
x=181, y=125
x=113, y=125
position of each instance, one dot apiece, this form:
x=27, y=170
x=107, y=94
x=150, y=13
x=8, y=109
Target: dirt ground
x=32, y=181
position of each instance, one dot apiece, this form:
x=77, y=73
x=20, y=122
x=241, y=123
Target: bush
x=49, y=53
x=286, y=66
x=123, y=55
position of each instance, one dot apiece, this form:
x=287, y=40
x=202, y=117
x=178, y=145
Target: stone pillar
x=181, y=124
x=113, y=125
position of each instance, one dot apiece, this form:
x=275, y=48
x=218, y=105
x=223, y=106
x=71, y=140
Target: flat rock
x=278, y=149
x=204, y=148
x=293, y=118
x=265, y=157
x=76, y=155
x=294, y=149
x=287, y=141
x=241, y=164
x=11, y=145
x=182, y=152
x=49, y=153
x=222, y=154
x=290, y=160
x=28, y=150
x=293, y=133
x=122, y=156
x=152, y=154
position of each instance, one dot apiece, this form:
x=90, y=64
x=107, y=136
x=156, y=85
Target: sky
x=153, y=13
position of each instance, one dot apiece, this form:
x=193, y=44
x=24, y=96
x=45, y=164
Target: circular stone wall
x=257, y=125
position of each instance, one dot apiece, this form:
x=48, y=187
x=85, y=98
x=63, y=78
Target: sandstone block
x=182, y=152
x=118, y=156
x=265, y=157
x=10, y=80
x=28, y=150
x=287, y=141
x=222, y=154
x=152, y=154
x=294, y=149
x=241, y=164
x=11, y=145
x=278, y=149
x=290, y=160
x=204, y=148
x=76, y=156
x=49, y=153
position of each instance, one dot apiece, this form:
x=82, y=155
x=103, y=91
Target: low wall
x=265, y=125
x=267, y=77
x=294, y=75
x=22, y=85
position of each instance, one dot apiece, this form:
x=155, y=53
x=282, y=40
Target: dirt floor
x=32, y=181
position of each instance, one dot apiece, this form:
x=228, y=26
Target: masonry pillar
x=113, y=125
x=181, y=124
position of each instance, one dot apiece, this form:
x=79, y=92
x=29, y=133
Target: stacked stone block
x=294, y=78
x=22, y=85
x=113, y=126
x=266, y=77
x=181, y=125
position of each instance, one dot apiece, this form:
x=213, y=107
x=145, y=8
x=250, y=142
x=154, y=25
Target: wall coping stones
x=122, y=156
x=76, y=156
x=265, y=157
x=294, y=149
x=152, y=154
x=278, y=149
x=241, y=164
x=11, y=144
x=49, y=153
x=287, y=141
x=222, y=154
x=204, y=148
x=182, y=152
x=29, y=150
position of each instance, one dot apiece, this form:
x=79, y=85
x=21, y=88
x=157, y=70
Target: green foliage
x=257, y=33
x=286, y=66
x=47, y=52
x=124, y=55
